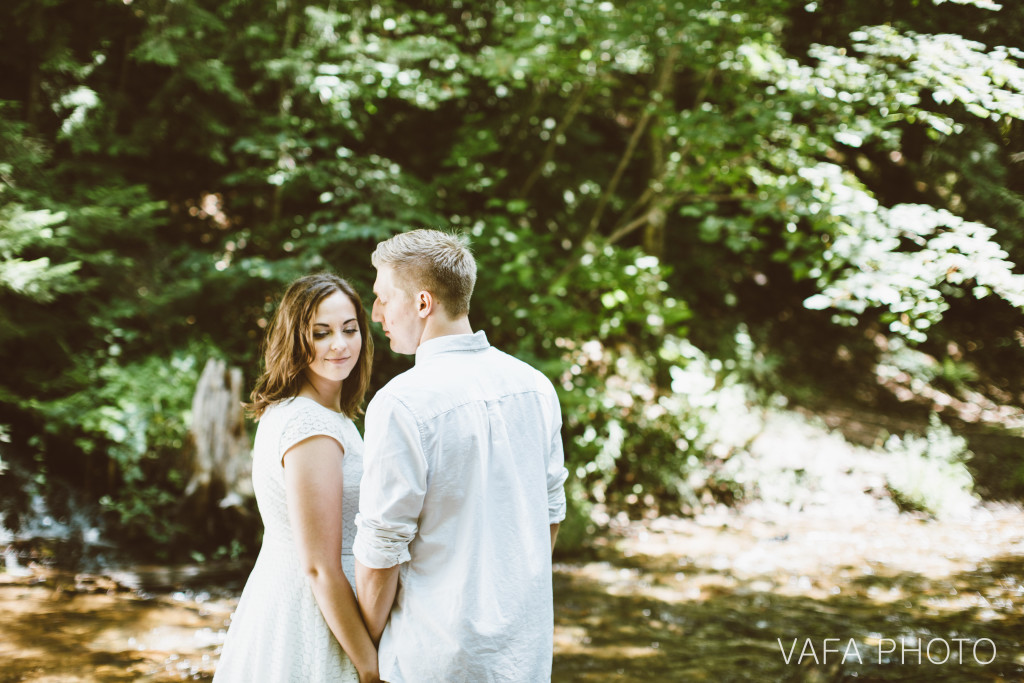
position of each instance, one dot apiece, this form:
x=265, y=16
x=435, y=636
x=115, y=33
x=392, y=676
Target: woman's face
x=336, y=339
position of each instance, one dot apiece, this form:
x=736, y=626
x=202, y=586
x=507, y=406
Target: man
x=462, y=491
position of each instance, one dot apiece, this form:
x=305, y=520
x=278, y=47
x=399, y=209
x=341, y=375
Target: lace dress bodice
x=287, y=424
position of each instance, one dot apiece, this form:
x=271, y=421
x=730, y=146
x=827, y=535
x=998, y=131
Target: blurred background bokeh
x=697, y=217
x=683, y=211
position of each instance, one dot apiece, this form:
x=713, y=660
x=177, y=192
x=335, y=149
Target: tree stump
x=221, y=463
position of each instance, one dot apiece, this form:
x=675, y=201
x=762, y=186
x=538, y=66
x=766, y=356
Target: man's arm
x=376, y=589
x=390, y=503
x=556, y=472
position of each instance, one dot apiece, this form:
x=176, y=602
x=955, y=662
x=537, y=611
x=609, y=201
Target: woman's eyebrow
x=350, y=320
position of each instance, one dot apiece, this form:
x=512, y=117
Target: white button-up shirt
x=463, y=476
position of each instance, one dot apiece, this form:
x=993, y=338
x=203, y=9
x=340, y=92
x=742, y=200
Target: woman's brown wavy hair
x=288, y=346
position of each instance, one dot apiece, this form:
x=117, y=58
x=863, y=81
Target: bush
x=136, y=417
x=928, y=473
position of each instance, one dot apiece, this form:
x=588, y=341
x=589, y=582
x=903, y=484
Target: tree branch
x=636, y=223
x=662, y=83
x=661, y=206
x=664, y=79
x=549, y=150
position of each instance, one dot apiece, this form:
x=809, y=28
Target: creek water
x=751, y=595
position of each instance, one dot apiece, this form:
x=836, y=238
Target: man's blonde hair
x=431, y=260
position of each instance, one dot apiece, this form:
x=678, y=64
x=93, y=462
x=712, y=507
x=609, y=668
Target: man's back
x=465, y=466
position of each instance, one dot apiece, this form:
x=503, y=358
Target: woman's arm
x=313, y=484
x=377, y=590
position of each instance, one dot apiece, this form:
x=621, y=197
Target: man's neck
x=442, y=326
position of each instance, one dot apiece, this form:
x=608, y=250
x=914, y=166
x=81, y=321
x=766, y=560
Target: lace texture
x=277, y=632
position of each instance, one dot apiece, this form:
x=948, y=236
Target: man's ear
x=424, y=303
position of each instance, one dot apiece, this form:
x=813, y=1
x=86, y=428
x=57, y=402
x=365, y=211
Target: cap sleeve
x=311, y=421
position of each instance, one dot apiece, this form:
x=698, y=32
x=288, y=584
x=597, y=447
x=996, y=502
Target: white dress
x=277, y=632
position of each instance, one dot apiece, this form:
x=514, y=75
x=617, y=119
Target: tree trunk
x=221, y=464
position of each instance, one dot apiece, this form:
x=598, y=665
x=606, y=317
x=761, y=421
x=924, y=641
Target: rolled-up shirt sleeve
x=393, y=485
x=556, y=472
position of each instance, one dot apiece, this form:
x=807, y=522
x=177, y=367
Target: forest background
x=686, y=213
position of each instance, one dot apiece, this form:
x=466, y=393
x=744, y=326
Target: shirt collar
x=451, y=342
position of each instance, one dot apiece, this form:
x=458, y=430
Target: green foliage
x=651, y=188
x=928, y=473
x=137, y=415
x=909, y=261
x=36, y=279
x=576, y=529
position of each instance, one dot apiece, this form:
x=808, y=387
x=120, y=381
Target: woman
x=297, y=618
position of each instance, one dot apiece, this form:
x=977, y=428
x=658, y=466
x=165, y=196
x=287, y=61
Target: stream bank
x=821, y=577
x=726, y=596
x=761, y=597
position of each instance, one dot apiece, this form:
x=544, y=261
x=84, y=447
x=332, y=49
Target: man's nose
x=375, y=315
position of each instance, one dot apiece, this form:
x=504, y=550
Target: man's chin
x=395, y=348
